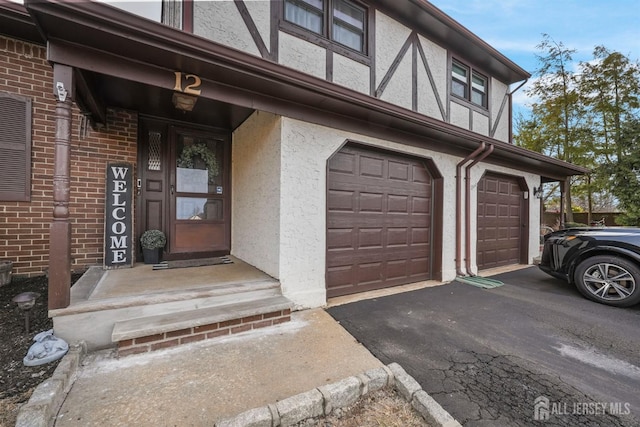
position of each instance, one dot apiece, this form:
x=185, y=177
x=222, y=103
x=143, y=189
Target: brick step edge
x=202, y=332
x=321, y=401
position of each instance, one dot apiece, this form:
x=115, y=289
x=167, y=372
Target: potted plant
x=152, y=242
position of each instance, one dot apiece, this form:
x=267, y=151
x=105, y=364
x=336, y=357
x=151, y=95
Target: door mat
x=480, y=282
x=185, y=263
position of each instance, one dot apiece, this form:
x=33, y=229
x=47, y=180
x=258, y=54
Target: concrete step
x=159, y=331
x=188, y=298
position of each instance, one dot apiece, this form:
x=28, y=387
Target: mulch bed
x=381, y=408
x=17, y=381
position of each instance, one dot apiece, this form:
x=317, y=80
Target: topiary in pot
x=152, y=242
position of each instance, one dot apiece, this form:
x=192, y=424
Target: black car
x=603, y=263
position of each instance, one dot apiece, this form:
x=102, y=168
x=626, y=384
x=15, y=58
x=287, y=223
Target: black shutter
x=15, y=148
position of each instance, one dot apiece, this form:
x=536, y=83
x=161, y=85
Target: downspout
x=471, y=156
x=467, y=203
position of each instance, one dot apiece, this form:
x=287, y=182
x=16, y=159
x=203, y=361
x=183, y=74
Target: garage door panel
x=397, y=203
x=490, y=210
x=420, y=175
x=385, y=200
x=341, y=201
x=370, y=238
x=371, y=167
x=420, y=205
x=416, y=266
x=397, y=269
x=420, y=235
x=399, y=171
x=371, y=202
x=343, y=163
x=340, y=238
x=397, y=236
x=370, y=272
x=491, y=185
x=340, y=276
x=504, y=187
x=500, y=218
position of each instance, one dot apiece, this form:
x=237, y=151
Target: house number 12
x=191, y=88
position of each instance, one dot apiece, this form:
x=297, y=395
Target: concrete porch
x=140, y=309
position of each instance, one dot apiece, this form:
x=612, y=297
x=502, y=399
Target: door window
x=199, y=178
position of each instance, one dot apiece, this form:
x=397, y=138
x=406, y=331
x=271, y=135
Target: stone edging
x=46, y=400
x=324, y=399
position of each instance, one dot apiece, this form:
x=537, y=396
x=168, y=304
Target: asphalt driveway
x=531, y=350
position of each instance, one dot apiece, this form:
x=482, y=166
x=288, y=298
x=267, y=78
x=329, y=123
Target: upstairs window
x=308, y=14
x=15, y=148
x=340, y=21
x=459, y=80
x=348, y=24
x=469, y=84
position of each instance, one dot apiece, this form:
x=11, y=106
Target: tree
x=626, y=173
x=588, y=117
x=610, y=87
x=558, y=125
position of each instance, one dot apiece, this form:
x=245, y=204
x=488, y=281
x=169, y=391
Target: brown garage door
x=378, y=219
x=500, y=221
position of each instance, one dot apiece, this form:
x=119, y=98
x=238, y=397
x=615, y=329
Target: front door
x=185, y=188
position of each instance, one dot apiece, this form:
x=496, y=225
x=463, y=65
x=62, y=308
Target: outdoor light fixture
x=537, y=192
x=183, y=101
x=26, y=301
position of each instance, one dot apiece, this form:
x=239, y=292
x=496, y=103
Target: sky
x=515, y=27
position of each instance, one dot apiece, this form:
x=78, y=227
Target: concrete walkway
x=197, y=384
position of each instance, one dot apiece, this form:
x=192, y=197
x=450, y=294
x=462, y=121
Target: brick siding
x=199, y=333
x=24, y=226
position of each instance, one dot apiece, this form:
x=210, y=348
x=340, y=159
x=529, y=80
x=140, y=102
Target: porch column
x=60, y=229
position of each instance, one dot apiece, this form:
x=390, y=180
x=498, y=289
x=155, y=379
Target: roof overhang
x=440, y=27
x=16, y=22
x=114, y=46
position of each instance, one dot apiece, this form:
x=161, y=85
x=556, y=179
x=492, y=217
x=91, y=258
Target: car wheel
x=609, y=280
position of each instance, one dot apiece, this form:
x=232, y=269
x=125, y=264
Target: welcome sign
x=118, y=215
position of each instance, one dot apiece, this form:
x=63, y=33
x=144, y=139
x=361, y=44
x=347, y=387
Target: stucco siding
x=221, y=22
x=351, y=74
x=302, y=55
x=255, y=222
x=306, y=148
x=498, y=92
x=390, y=36
x=427, y=103
x=400, y=88
x=437, y=61
x=260, y=12
x=459, y=115
x=480, y=123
